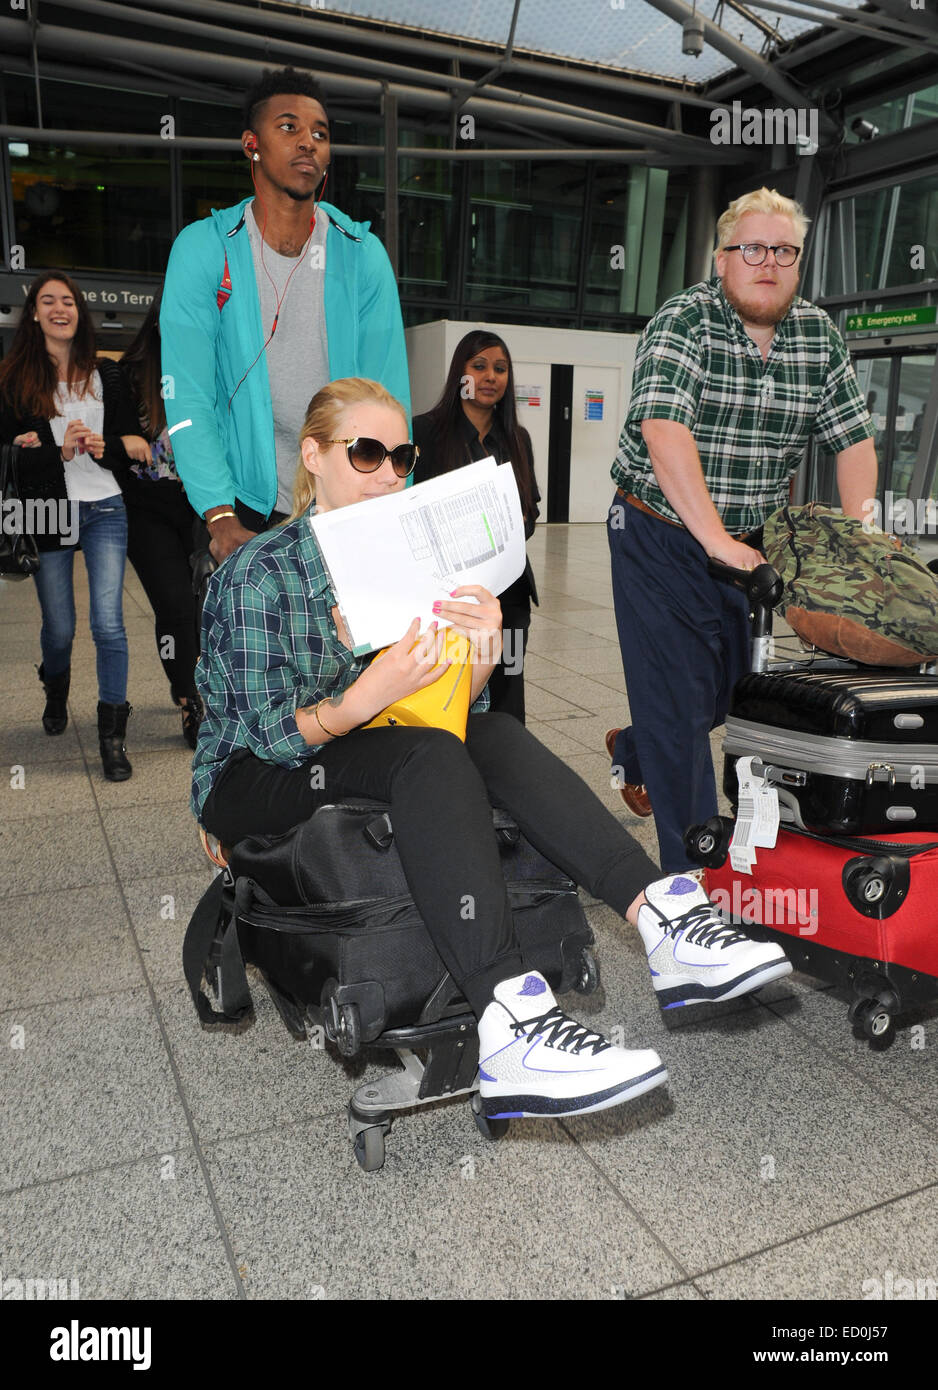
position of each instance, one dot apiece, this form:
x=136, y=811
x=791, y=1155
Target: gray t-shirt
x=298, y=353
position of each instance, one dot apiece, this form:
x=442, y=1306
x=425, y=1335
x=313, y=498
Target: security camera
x=864, y=129
x=693, y=39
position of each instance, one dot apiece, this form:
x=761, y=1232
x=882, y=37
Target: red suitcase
x=861, y=913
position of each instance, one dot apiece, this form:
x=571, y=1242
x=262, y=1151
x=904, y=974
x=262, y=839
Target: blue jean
x=685, y=641
x=102, y=535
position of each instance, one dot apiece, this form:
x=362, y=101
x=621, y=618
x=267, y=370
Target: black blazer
x=431, y=463
x=41, y=473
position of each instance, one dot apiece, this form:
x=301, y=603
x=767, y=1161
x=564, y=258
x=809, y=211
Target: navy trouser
x=685, y=641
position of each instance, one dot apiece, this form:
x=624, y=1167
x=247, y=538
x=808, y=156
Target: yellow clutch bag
x=442, y=705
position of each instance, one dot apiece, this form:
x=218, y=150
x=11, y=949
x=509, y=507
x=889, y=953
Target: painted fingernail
x=437, y=607
x=453, y=593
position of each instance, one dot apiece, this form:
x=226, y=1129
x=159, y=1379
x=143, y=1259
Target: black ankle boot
x=193, y=712
x=112, y=726
x=55, y=714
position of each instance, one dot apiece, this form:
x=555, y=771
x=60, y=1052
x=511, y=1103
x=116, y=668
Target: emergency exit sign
x=891, y=318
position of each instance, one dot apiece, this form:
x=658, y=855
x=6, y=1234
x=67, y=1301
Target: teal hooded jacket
x=211, y=332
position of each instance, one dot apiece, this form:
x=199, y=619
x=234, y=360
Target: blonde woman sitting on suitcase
x=283, y=691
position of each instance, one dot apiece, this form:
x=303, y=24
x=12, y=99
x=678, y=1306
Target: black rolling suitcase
x=325, y=916
x=856, y=749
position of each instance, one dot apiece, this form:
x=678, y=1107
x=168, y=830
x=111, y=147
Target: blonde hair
x=323, y=414
x=765, y=200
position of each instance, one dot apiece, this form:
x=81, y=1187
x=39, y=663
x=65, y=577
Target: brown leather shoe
x=634, y=794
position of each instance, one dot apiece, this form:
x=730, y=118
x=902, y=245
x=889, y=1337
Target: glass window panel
x=92, y=208
x=638, y=233
x=915, y=378
x=896, y=113
x=427, y=249
x=526, y=221
x=894, y=231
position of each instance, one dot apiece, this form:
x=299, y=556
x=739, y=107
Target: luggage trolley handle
x=763, y=588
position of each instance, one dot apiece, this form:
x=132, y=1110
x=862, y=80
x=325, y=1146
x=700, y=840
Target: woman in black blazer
x=475, y=417
x=71, y=414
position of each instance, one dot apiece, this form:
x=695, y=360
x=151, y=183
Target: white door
x=598, y=412
x=532, y=398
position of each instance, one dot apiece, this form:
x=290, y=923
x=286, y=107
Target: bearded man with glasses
x=732, y=378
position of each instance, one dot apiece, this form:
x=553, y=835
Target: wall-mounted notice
x=593, y=405
x=529, y=395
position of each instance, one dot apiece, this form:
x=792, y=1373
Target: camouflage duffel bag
x=856, y=593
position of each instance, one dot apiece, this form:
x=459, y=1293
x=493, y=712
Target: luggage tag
x=757, y=817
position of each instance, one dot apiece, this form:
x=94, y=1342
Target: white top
x=85, y=480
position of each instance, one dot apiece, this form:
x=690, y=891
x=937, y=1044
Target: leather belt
x=637, y=502
x=641, y=506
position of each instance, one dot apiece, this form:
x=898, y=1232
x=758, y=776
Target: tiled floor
x=146, y=1158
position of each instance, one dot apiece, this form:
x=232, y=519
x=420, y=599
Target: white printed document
x=391, y=558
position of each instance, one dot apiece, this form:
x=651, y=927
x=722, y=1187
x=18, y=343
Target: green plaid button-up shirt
x=750, y=419
x=269, y=648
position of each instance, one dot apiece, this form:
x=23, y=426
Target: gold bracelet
x=330, y=732
x=218, y=516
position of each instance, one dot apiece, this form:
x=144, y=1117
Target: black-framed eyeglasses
x=754, y=253
x=367, y=455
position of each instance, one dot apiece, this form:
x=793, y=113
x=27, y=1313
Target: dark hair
x=28, y=375
x=142, y=364
x=286, y=80
x=446, y=416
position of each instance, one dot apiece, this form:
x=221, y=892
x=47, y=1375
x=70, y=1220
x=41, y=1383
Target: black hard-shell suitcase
x=857, y=749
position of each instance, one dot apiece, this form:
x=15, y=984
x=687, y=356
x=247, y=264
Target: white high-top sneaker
x=536, y=1060
x=693, y=955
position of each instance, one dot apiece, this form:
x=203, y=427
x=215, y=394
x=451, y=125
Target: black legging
x=440, y=791
x=159, y=543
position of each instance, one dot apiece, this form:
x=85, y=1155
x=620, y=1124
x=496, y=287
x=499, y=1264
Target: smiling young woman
x=71, y=414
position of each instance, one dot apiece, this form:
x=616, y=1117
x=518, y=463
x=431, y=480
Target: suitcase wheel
x=587, y=979
x=495, y=1128
x=709, y=844
x=873, y=1020
x=369, y=1147
x=343, y=1026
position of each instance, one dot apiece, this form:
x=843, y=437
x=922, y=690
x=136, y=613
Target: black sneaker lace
x=703, y=927
x=562, y=1031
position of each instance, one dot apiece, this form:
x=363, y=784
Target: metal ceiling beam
x=853, y=25
x=722, y=88
x=901, y=10
x=68, y=137
x=764, y=28
x=414, y=46
x=37, y=135
x=503, y=64
x=554, y=116
x=744, y=57
x=651, y=135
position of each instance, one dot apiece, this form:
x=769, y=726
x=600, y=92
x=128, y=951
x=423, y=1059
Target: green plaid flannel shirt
x=750, y=419
x=269, y=648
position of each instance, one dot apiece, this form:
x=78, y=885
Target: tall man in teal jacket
x=263, y=304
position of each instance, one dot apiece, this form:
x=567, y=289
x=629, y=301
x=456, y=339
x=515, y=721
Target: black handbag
x=19, y=554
